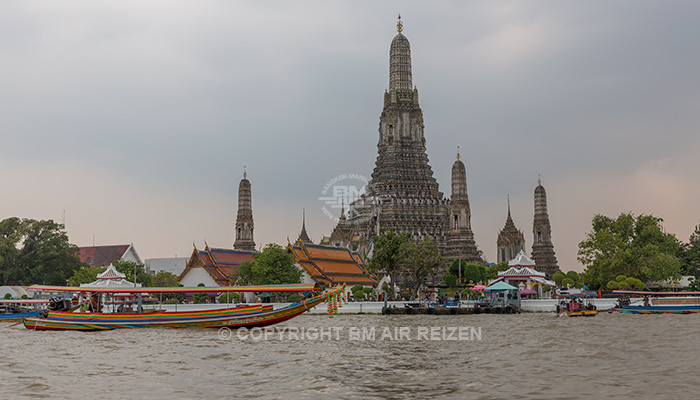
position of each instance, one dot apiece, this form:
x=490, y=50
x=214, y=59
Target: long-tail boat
x=657, y=302
x=248, y=316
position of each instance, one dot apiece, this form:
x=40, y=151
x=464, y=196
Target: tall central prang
x=402, y=192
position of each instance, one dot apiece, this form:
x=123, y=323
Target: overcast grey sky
x=137, y=117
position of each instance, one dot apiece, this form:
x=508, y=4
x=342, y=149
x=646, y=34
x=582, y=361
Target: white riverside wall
x=375, y=307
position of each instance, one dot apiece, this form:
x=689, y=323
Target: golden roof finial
x=458, y=153
x=245, y=173
x=399, y=25
x=539, y=180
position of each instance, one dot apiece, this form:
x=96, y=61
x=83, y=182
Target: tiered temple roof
x=331, y=265
x=220, y=264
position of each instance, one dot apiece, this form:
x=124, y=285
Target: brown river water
x=526, y=356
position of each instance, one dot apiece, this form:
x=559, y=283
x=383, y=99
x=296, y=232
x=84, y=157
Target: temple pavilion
x=523, y=275
x=110, y=279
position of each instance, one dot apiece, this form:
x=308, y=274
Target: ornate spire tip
x=399, y=25
x=458, y=153
x=539, y=180
x=245, y=173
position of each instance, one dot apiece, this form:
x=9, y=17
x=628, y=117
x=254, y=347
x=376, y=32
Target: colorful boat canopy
x=292, y=287
x=642, y=293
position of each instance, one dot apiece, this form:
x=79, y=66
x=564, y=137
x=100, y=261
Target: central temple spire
x=400, y=62
x=403, y=193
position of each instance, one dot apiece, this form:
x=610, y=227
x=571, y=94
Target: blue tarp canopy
x=501, y=286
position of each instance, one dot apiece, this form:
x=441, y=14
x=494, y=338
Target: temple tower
x=510, y=240
x=244, y=220
x=303, y=236
x=542, y=247
x=343, y=232
x=460, y=238
x=402, y=192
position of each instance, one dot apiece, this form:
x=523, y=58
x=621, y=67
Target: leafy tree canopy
x=36, y=252
x=388, y=256
x=558, y=277
x=271, y=267
x=420, y=260
x=127, y=268
x=164, y=279
x=471, y=272
x=86, y=274
x=493, y=270
x=631, y=246
x=690, y=254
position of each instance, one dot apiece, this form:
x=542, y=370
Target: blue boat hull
x=15, y=317
x=669, y=309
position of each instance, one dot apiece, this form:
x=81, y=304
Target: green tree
x=35, y=252
x=558, y=277
x=493, y=270
x=272, y=266
x=623, y=282
x=164, y=279
x=573, y=275
x=167, y=279
x=450, y=280
x=127, y=268
x=388, y=254
x=471, y=272
x=420, y=260
x=85, y=274
x=634, y=283
x=634, y=247
x=358, y=294
x=199, y=298
x=690, y=254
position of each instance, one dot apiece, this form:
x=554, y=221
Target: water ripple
x=527, y=356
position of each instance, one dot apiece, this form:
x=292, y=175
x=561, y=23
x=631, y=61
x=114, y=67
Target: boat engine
x=59, y=304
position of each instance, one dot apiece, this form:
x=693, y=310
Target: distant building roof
x=101, y=256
